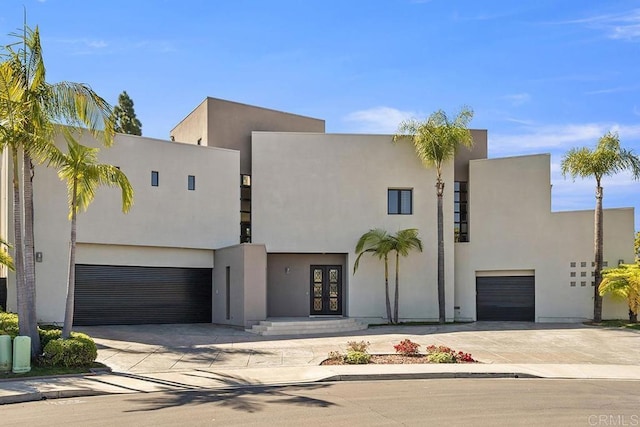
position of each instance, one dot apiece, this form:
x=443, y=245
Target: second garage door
x=505, y=298
x=127, y=295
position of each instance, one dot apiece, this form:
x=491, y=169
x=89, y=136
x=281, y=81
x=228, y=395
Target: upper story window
x=155, y=178
x=399, y=201
x=460, y=211
x=191, y=182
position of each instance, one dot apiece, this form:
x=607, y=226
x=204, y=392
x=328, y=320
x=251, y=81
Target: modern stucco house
x=248, y=213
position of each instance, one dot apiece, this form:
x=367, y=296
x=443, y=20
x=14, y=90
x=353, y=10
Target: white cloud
x=557, y=137
x=517, y=99
x=379, y=119
x=619, y=26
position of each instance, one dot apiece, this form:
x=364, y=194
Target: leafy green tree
x=5, y=258
x=30, y=108
x=377, y=242
x=126, y=120
x=83, y=174
x=607, y=159
x=436, y=141
x=403, y=242
x=623, y=282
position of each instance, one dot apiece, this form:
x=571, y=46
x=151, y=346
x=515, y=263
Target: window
x=460, y=212
x=399, y=202
x=191, y=182
x=155, y=178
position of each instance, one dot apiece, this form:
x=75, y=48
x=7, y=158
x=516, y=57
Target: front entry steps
x=306, y=326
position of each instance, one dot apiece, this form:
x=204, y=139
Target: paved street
x=459, y=402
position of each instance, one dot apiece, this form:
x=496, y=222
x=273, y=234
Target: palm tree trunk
x=633, y=317
x=71, y=282
x=597, y=299
x=29, y=256
x=386, y=288
x=395, y=303
x=441, y=298
x=23, y=307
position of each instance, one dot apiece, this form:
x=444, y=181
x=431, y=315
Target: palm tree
x=377, y=242
x=30, y=107
x=607, y=159
x=402, y=243
x=80, y=169
x=623, y=282
x=436, y=141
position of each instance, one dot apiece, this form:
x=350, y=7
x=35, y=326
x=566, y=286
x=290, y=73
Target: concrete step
x=306, y=327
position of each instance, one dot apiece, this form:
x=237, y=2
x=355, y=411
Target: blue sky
x=542, y=76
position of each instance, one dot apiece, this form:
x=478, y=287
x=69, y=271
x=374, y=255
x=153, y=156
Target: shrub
x=335, y=355
x=407, y=348
x=444, y=354
x=357, y=358
x=358, y=346
x=47, y=335
x=77, y=351
x=9, y=323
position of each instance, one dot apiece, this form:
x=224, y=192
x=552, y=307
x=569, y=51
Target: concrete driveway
x=144, y=349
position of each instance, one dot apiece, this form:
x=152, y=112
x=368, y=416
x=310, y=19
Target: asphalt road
x=450, y=402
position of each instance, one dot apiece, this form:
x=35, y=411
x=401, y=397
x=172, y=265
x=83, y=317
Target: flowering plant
x=407, y=348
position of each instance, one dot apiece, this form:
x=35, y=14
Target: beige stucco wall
x=289, y=282
x=248, y=285
x=228, y=124
x=168, y=225
x=318, y=193
x=512, y=228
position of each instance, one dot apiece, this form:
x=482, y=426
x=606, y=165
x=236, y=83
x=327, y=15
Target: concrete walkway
x=194, y=357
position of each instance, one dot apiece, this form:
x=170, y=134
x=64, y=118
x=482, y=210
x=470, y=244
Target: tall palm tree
x=436, y=141
x=623, y=282
x=83, y=174
x=377, y=242
x=402, y=243
x=607, y=159
x=30, y=109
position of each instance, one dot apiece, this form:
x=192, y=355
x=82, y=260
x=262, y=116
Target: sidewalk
x=201, y=357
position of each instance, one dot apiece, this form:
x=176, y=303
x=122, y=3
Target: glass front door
x=326, y=290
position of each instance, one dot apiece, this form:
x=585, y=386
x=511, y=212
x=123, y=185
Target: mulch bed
x=384, y=359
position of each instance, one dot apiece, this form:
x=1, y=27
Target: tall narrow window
x=155, y=178
x=228, y=292
x=460, y=211
x=399, y=201
x=191, y=182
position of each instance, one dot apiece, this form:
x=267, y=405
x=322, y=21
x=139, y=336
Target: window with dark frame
x=399, y=201
x=460, y=211
x=191, y=182
x=155, y=178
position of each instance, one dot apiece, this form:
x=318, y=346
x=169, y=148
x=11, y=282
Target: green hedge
x=8, y=324
x=79, y=350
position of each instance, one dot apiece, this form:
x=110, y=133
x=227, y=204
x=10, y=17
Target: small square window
x=583, y=264
x=593, y=273
x=605, y=264
x=583, y=274
x=593, y=283
x=155, y=178
x=583, y=283
x=573, y=274
x=399, y=201
x=246, y=181
x=593, y=264
x=573, y=264
x=573, y=283
x=191, y=182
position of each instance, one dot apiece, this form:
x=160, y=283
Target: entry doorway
x=326, y=290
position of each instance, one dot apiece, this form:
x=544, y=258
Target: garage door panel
x=505, y=298
x=111, y=295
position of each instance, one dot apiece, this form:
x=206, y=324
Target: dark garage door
x=125, y=295
x=505, y=298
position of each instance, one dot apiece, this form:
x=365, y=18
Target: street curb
x=426, y=376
